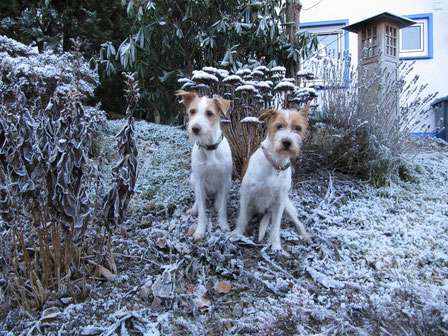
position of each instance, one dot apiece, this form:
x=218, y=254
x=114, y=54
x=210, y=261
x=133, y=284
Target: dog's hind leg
x=263, y=226
x=243, y=216
x=291, y=214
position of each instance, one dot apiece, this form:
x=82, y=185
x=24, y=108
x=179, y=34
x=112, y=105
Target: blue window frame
x=416, y=41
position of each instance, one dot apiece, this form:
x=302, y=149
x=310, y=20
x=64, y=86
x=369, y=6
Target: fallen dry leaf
x=106, y=273
x=50, y=315
x=66, y=300
x=182, y=248
x=202, y=303
x=161, y=243
x=222, y=287
x=163, y=286
x=191, y=230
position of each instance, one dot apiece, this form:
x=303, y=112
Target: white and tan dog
x=211, y=158
x=267, y=180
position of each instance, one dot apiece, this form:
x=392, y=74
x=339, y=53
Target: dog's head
x=286, y=129
x=203, y=113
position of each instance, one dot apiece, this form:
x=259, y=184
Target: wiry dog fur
x=264, y=189
x=211, y=170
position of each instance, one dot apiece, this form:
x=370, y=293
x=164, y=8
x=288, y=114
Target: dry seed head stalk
x=115, y=203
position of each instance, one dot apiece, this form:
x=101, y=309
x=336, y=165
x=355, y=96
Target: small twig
x=262, y=282
x=273, y=264
x=137, y=257
x=327, y=199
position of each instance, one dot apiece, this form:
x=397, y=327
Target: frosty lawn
x=377, y=265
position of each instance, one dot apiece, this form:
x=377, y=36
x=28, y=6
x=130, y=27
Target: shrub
x=368, y=121
x=41, y=76
x=46, y=177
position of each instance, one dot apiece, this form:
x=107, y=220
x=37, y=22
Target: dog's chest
x=268, y=189
x=211, y=169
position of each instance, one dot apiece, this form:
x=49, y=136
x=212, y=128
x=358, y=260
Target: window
x=329, y=44
x=332, y=39
x=391, y=41
x=416, y=40
x=369, y=42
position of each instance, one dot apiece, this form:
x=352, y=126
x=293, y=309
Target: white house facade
x=425, y=42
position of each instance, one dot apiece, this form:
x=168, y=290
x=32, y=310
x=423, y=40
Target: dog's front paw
x=198, y=235
x=236, y=233
x=192, y=212
x=224, y=226
x=307, y=237
x=277, y=250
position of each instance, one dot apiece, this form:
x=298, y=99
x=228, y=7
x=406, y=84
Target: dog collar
x=273, y=163
x=212, y=147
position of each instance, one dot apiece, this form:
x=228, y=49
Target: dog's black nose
x=286, y=143
x=196, y=130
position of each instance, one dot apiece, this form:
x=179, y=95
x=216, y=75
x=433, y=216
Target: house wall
x=433, y=71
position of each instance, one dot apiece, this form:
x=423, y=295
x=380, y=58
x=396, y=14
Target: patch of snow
x=283, y=86
x=280, y=69
x=202, y=75
x=243, y=88
x=242, y=72
x=251, y=120
x=233, y=79
x=261, y=68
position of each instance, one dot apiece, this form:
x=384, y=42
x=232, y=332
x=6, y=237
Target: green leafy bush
x=169, y=40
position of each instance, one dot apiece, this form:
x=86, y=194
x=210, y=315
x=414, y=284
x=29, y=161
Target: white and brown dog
x=211, y=158
x=267, y=180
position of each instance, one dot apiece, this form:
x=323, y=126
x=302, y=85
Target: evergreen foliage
x=170, y=39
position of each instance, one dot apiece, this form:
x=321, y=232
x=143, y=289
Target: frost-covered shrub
x=368, y=123
x=252, y=90
x=40, y=76
x=46, y=175
x=45, y=178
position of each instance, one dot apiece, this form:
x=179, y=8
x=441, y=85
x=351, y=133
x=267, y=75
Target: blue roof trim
x=343, y=22
x=428, y=17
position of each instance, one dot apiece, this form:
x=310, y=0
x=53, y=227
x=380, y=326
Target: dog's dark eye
x=192, y=111
x=209, y=113
x=279, y=126
x=298, y=128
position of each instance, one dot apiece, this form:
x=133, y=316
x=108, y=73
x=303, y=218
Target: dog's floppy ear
x=187, y=97
x=306, y=110
x=267, y=115
x=223, y=105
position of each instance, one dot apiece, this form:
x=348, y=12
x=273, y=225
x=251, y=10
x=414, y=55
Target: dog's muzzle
x=286, y=144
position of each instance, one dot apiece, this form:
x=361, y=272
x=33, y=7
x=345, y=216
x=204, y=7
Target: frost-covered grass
x=164, y=166
x=379, y=260
x=377, y=264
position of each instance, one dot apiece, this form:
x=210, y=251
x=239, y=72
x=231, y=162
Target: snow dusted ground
x=377, y=263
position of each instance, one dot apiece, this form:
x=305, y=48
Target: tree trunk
x=293, y=8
